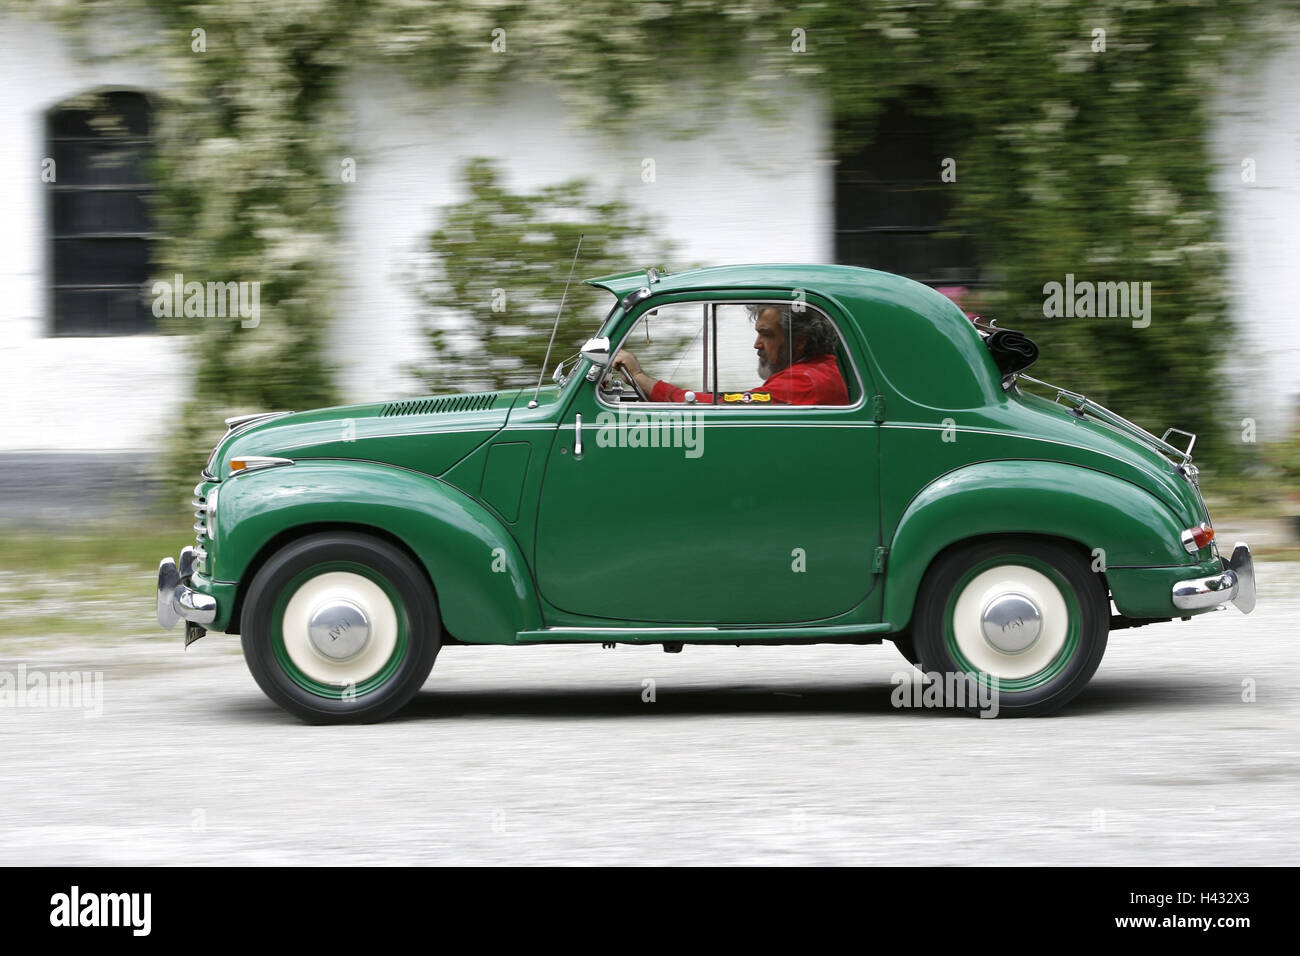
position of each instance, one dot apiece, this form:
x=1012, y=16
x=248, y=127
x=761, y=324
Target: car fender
x=1120, y=523
x=485, y=590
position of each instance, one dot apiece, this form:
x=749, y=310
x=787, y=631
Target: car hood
x=424, y=434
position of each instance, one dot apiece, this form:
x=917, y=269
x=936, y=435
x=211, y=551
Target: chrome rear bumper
x=176, y=600
x=1236, y=583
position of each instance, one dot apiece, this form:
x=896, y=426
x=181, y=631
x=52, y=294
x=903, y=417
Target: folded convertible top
x=1012, y=351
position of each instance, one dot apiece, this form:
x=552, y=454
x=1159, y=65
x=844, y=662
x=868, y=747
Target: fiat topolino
x=927, y=495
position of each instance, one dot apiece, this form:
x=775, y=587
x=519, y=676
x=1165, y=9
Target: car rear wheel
x=1017, y=620
x=340, y=628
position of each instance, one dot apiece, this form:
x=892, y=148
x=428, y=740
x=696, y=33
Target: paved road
x=755, y=755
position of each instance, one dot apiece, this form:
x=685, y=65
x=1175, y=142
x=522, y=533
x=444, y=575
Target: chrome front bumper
x=1236, y=584
x=176, y=600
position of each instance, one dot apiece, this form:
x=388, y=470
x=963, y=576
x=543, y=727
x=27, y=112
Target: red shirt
x=812, y=381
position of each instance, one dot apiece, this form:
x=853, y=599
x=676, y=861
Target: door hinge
x=878, y=566
x=878, y=408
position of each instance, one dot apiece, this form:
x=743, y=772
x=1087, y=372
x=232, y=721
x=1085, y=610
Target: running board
x=705, y=635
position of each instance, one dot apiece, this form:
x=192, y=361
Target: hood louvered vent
x=434, y=406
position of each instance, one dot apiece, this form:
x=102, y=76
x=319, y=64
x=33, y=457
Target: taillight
x=1196, y=538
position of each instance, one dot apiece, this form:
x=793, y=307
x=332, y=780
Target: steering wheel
x=630, y=379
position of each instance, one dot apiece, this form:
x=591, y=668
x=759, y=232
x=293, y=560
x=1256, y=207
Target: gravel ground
x=749, y=755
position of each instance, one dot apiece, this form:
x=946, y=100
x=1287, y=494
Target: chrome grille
x=200, y=503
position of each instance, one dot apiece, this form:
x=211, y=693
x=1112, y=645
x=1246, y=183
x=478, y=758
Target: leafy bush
x=501, y=260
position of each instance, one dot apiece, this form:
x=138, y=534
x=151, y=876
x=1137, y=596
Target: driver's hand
x=626, y=360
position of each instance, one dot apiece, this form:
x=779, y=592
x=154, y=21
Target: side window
x=740, y=366
x=752, y=354
x=779, y=354
x=670, y=344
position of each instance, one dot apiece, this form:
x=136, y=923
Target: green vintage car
x=887, y=472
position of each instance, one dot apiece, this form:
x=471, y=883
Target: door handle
x=577, y=436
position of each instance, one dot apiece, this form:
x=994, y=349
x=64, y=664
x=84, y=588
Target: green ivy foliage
x=501, y=266
x=1069, y=159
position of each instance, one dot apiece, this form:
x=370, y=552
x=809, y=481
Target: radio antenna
x=546, y=361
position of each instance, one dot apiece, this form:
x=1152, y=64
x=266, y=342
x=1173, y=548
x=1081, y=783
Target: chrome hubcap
x=338, y=629
x=1011, y=622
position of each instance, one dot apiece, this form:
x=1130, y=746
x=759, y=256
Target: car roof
x=908, y=323
x=766, y=275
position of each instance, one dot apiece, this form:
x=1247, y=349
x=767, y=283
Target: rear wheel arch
x=1073, y=544
x=1091, y=510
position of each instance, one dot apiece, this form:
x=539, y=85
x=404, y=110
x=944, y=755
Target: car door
x=734, y=510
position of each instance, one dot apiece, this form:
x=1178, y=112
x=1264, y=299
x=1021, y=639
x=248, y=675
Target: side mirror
x=596, y=351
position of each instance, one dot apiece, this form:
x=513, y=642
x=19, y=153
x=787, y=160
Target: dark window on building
x=100, y=227
x=891, y=207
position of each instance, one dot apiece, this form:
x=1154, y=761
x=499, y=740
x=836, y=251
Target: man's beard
x=767, y=369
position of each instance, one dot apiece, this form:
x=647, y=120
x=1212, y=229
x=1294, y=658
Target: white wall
x=749, y=191
x=1258, y=117
x=746, y=191
x=105, y=393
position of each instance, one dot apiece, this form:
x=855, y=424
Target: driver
x=796, y=359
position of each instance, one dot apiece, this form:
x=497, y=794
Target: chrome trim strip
x=494, y=427
x=631, y=630
x=236, y=422
x=666, y=410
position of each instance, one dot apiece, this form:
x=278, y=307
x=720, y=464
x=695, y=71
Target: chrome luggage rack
x=1082, y=404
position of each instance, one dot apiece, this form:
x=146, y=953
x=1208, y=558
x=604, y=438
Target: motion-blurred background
x=392, y=191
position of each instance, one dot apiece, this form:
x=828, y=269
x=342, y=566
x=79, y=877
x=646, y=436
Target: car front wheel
x=340, y=628
x=1013, y=626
